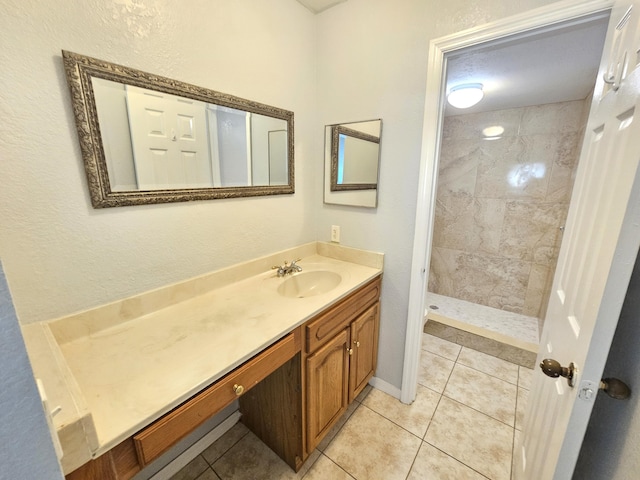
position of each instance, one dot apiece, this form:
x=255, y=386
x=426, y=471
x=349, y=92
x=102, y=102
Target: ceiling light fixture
x=465, y=95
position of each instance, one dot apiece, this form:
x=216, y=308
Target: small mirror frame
x=336, y=131
x=80, y=69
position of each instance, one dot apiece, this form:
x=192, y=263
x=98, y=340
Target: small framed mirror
x=352, y=159
x=150, y=139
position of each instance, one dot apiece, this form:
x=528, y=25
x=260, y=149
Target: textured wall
x=360, y=60
x=372, y=63
x=501, y=203
x=26, y=451
x=60, y=254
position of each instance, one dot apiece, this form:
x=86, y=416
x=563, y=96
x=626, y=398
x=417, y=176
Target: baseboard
x=197, y=448
x=385, y=387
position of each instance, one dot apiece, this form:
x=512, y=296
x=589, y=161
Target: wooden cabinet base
x=119, y=463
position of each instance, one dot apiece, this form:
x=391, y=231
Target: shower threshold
x=507, y=335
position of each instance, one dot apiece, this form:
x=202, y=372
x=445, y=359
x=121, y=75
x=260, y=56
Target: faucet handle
x=296, y=260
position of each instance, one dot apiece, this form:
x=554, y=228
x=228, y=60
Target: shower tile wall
x=501, y=203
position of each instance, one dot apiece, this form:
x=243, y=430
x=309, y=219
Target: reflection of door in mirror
x=277, y=153
x=168, y=136
x=158, y=141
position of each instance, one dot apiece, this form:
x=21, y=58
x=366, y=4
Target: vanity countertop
x=131, y=372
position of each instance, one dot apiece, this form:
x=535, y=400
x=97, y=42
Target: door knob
x=615, y=388
x=552, y=368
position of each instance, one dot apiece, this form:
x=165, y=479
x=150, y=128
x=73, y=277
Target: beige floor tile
x=224, y=443
x=325, y=469
x=483, y=392
x=363, y=394
x=441, y=347
x=521, y=407
x=473, y=438
x=192, y=470
x=208, y=474
x=525, y=376
x=432, y=464
x=370, y=447
x=250, y=459
x=490, y=365
x=414, y=417
x=322, y=446
x=434, y=371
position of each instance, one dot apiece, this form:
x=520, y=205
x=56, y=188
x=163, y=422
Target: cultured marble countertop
x=130, y=372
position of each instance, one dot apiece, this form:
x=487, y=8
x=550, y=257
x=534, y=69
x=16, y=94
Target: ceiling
x=317, y=6
x=548, y=67
x=555, y=64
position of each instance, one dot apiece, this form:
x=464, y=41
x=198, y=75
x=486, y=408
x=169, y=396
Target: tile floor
x=463, y=425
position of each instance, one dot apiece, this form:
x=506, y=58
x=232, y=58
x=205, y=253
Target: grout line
x=332, y=461
x=226, y=451
x=473, y=367
x=457, y=460
x=483, y=413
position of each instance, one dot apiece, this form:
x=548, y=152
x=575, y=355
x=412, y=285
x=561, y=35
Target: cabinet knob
x=239, y=389
x=357, y=343
x=350, y=350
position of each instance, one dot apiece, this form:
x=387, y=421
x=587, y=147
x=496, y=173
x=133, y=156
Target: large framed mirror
x=150, y=139
x=352, y=159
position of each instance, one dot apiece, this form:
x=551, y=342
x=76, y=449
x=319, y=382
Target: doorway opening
x=504, y=179
x=469, y=49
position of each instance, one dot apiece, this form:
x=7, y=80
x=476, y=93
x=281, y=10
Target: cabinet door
x=327, y=387
x=364, y=342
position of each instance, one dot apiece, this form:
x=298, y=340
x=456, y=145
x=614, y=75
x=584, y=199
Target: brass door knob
x=350, y=351
x=552, y=368
x=238, y=389
x=357, y=343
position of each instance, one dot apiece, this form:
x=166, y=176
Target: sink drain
x=433, y=307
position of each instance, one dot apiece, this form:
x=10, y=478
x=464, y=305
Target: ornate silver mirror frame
x=81, y=71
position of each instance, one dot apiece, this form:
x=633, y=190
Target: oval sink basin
x=308, y=284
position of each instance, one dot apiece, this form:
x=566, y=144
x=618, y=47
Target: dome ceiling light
x=465, y=95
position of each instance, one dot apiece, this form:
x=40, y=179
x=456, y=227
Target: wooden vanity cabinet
x=290, y=395
x=327, y=387
x=364, y=345
x=342, y=346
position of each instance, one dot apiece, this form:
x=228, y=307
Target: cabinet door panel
x=364, y=342
x=327, y=387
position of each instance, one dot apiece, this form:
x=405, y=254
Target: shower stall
x=504, y=184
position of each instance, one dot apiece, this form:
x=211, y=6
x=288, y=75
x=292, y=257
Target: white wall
x=60, y=254
x=360, y=60
x=372, y=63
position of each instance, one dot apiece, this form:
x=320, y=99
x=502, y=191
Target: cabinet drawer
x=324, y=327
x=158, y=437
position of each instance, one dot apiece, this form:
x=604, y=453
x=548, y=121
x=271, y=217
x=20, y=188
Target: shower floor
x=507, y=328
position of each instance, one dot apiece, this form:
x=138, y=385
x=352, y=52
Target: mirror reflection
x=352, y=159
x=149, y=139
x=354, y=156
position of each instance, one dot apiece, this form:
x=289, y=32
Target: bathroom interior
x=339, y=66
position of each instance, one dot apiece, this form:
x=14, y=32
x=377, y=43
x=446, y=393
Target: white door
x=602, y=238
x=169, y=138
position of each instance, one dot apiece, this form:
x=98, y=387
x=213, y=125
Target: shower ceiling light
x=466, y=95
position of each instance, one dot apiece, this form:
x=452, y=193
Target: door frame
x=549, y=17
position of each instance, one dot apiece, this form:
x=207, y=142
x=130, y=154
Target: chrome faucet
x=288, y=268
